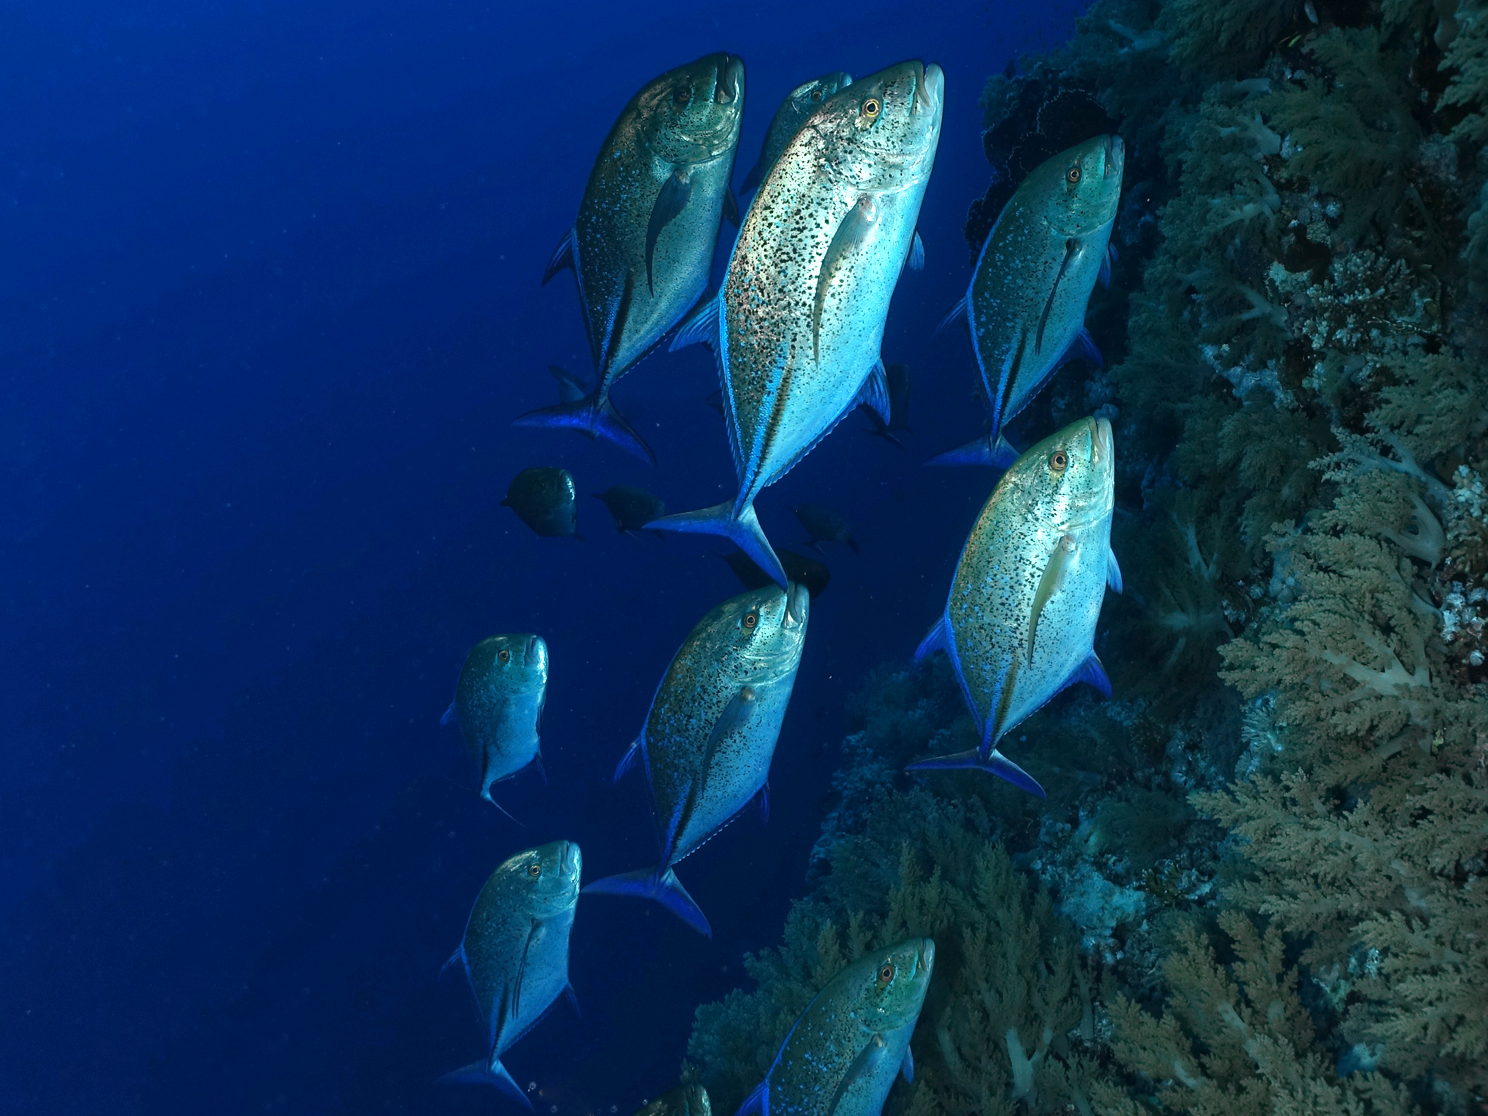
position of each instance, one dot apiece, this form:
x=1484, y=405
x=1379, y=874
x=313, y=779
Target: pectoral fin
x=1055, y=572
x=865, y=1063
x=849, y=237
x=1071, y=246
x=669, y=204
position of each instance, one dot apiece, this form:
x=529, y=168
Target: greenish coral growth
x=1008, y=988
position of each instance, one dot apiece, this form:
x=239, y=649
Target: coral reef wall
x=1259, y=882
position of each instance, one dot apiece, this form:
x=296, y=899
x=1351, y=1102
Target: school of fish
x=796, y=326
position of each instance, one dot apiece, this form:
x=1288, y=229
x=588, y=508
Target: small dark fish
x=685, y=1100
x=824, y=526
x=632, y=508
x=798, y=568
x=544, y=499
x=515, y=953
x=897, y=376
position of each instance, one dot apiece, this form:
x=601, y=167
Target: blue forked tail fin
x=742, y=529
x=999, y=454
x=488, y=1073
x=663, y=886
x=995, y=762
x=595, y=416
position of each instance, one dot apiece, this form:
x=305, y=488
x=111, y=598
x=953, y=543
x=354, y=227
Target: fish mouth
x=925, y=958
x=929, y=88
x=728, y=79
x=1101, y=443
x=570, y=862
x=797, y=604
x=1115, y=156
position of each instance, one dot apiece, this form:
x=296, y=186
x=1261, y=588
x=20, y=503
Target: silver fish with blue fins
x=515, y=953
x=845, y=1050
x=498, y=706
x=710, y=733
x=642, y=247
x=797, y=325
x=1025, y=305
x=1019, y=623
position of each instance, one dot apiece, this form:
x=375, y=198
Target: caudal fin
x=488, y=1073
x=594, y=416
x=1000, y=454
x=664, y=887
x=997, y=763
x=743, y=530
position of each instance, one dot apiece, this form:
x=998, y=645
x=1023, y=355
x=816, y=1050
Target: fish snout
x=570, y=862
x=797, y=605
x=926, y=958
x=729, y=81
x=1115, y=156
x=1101, y=442
x=929, y=87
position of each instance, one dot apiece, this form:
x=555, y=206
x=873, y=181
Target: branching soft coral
x=1352, y=133
x=1235, y=1040
x=1227, y=36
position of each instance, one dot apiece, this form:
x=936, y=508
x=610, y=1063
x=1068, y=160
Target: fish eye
x=1073, y=174
x=872, y=107
x=816, y=94
x=534, y=869
x=1059, y=461
x=504, y=655
x=751, y=620
x=886, y=974
x=682, y=96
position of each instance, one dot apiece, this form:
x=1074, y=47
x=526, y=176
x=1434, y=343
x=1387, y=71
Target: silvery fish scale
x=793, y=112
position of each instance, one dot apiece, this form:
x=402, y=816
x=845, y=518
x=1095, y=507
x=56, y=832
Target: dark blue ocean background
x=269, y=302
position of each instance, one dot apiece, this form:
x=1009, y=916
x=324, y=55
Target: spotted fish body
x=793, y=112
x=711, y=731
x=1033, y=278
x=498, y=705
x=798, y=323
x=515, y=952
x=843, y=1053
x=642, y=246
x=1019, y=624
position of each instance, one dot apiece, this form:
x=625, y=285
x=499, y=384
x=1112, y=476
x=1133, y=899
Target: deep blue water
x=269, y=303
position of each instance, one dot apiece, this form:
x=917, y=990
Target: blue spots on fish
x=1071, y=247
x=866, y=1062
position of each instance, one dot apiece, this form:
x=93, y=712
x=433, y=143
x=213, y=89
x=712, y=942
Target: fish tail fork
x=595, y=416
x=490, y=1072
x=661, y=885
x=995, y=762
x=739, y=526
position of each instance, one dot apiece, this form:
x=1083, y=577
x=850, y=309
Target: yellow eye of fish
x=816, y=94
x=504, y=655
x=872, y=107
x=1059, y=461
x=750, y=620
x=534, y=870
x=1073, y=175
x=886, y=974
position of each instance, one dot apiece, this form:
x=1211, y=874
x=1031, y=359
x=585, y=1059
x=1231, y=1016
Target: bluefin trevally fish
x=1019, y=625
x=1026, y=302
x=711, y=732
x=631, y=507
x=544, y=498
x=685, y=1100
x=798, y=322
x=897, y=376
x=823, y=525
x=498, y=705
x=642, y=247
x=843, y=1053
x=799, y=104
x=515, y=952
